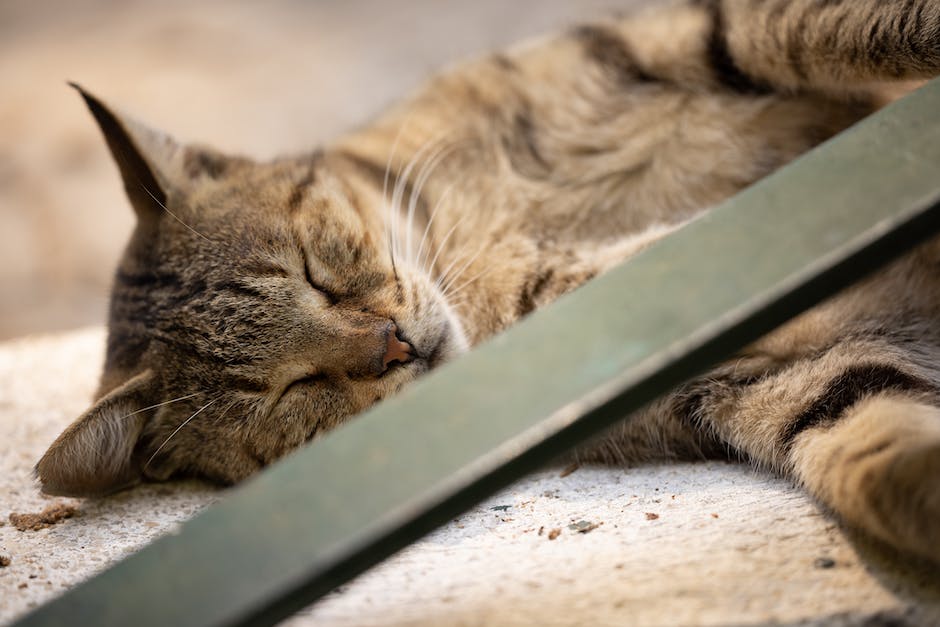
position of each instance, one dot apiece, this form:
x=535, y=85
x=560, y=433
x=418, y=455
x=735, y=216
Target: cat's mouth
x=436, y=354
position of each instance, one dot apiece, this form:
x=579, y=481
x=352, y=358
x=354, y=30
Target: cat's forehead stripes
x=389, y=177
x=309, y=178
x=201, y=162
x=321, y=199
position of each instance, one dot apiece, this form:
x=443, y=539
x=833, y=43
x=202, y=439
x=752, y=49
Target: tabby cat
x=261, y=304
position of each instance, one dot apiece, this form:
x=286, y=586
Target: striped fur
x=253, y=306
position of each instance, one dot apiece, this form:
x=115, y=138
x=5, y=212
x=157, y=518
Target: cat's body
x=261, y=304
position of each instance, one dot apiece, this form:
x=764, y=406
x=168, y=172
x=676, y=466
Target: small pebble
x=583, y=526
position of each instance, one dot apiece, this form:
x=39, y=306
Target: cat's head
x=256, y=306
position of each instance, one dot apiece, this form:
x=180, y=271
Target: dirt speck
x=584, y=526
x=500, y=508
x=52, y=515
x=4, y=561
x=824, y=562
x=651, y=516
x=570, y=468
x=714, y=515
x=554, y=533
x=22, y=586
x=541, y=530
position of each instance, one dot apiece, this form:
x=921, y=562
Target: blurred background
x=258, y=78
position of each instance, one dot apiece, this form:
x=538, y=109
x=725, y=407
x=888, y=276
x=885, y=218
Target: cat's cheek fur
x=223, y=459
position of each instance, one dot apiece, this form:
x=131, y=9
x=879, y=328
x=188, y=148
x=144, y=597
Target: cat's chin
x=451, y=343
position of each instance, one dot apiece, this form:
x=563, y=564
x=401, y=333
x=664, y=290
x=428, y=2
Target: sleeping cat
x=259, y=305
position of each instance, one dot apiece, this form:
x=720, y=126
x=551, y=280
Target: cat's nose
x=396, y=349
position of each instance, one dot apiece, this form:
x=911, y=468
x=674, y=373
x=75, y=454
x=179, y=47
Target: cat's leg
x=817, y=43
x=878, y=466
x=765, y=45
x=858, y=425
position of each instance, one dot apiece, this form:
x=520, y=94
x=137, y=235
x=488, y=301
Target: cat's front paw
x=908, y=500
x=892, y=474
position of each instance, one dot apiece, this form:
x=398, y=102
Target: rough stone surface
x=728, y=546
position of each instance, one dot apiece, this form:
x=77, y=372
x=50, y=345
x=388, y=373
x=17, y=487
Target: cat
x=259, y=305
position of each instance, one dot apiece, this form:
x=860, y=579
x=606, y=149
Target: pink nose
x=396, y=349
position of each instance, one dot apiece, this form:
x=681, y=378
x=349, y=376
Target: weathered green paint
x=330, y=511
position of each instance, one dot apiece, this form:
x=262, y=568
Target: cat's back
x=597, y=133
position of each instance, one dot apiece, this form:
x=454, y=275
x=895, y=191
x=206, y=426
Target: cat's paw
x=891, y=474
x=907, y=500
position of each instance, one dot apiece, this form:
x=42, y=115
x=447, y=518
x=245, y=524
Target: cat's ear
x=95, y=454
x=146, y=158
x=152, y=163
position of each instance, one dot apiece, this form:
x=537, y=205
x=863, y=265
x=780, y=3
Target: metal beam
x=332, y=510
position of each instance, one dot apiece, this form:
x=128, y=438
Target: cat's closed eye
x=303, y=382
x=330, y=296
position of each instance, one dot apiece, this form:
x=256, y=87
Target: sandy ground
x=248, y=77
x=693, y=544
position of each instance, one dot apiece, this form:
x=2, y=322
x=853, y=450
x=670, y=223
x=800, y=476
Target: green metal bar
x=332, y=510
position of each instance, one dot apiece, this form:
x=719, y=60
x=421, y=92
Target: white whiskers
x=423, y=175
x=419, y=257
x=440, y=246
x=175, y=217
x=177, y=430
x=479, y=275
x=446, y=283
x=411, y=179
x=401, y=201
x=398, y=193
x=175, y=400
x=385, y=200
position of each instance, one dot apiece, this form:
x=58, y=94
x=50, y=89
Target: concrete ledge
x=691, y=544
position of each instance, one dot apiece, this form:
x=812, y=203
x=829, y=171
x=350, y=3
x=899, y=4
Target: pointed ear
x=95, y=454
x=150, y=162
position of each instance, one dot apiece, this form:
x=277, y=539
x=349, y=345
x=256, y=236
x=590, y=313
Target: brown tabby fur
x=254, y=306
